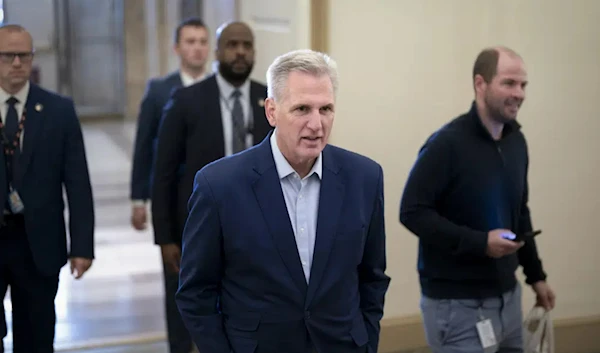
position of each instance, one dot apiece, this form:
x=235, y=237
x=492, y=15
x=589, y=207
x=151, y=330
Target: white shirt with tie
x=21, y=96
x=226, y=98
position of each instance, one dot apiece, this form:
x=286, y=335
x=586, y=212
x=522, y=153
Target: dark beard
x=495, y=112
x=233, y=77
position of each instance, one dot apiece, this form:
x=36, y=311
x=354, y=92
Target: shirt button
x=302, y=229
x=303, y=263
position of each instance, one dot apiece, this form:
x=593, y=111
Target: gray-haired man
x=284, y=246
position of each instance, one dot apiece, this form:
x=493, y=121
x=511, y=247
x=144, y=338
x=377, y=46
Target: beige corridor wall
x=405, y=69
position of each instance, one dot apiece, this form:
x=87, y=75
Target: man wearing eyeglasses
x=42, y=152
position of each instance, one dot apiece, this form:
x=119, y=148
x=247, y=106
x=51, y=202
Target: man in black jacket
x=191, y=46
x=466, y=200
x=214, y=118
x=42, y=160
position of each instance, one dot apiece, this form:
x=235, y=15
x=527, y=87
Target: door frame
x=64, y=43
x=319, y=25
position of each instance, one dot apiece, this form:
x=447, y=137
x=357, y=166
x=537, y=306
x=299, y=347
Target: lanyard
x=10, y=148
x=227, y=103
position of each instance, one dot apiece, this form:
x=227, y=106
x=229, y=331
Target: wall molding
x=319, y=25
x=163, y=37
x=571, y=335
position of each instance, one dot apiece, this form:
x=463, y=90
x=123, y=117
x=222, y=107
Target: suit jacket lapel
x=212, y=112
x=259, y=124
x=331, y=200
x=269, y=195
x=174, y=80
x=3, y=182
x=33, y=125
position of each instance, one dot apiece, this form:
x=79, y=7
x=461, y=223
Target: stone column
x=164, y=35
x=136, y=55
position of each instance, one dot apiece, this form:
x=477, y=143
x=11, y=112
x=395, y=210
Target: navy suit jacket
x=158, y=92
x=53, y=156
x=191, y=134
x=242, y=287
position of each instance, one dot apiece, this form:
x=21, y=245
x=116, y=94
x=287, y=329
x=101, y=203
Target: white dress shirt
x=226, y=89
x=302, y=202
x=187, y=80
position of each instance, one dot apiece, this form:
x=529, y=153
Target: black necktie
x=239, y=127
x=11, y=124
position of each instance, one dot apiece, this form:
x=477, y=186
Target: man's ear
x=270, y=109
x=479, y=83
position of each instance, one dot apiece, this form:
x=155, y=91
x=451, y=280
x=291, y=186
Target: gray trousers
x=451, y=324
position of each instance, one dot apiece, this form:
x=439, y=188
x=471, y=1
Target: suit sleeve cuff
x=138, y=203
x=538, y=275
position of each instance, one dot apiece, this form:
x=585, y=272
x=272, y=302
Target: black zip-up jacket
x=463, y=185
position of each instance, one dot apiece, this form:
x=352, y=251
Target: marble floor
x=161, y=348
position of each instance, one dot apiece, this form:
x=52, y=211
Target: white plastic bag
x=538, y=332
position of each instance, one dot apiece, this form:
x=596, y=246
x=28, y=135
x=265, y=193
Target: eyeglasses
x=9, y=58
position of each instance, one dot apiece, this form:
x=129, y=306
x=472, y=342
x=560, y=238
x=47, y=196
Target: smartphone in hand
x=526, y=235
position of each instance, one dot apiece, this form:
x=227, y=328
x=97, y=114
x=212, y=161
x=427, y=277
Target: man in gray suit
x=191, y=45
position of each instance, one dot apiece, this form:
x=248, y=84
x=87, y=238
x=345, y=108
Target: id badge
x=15, y=202
x=487, y=335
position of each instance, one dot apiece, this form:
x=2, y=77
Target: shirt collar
x=284, y=169
x=187, y=80
x=21, y=95
x=227, y=88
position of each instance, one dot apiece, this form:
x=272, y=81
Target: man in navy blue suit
x=191, y=45
x=284, y=246
x=43, y=152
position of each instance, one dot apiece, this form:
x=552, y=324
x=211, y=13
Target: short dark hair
x=189, y=22
x=486, y=64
